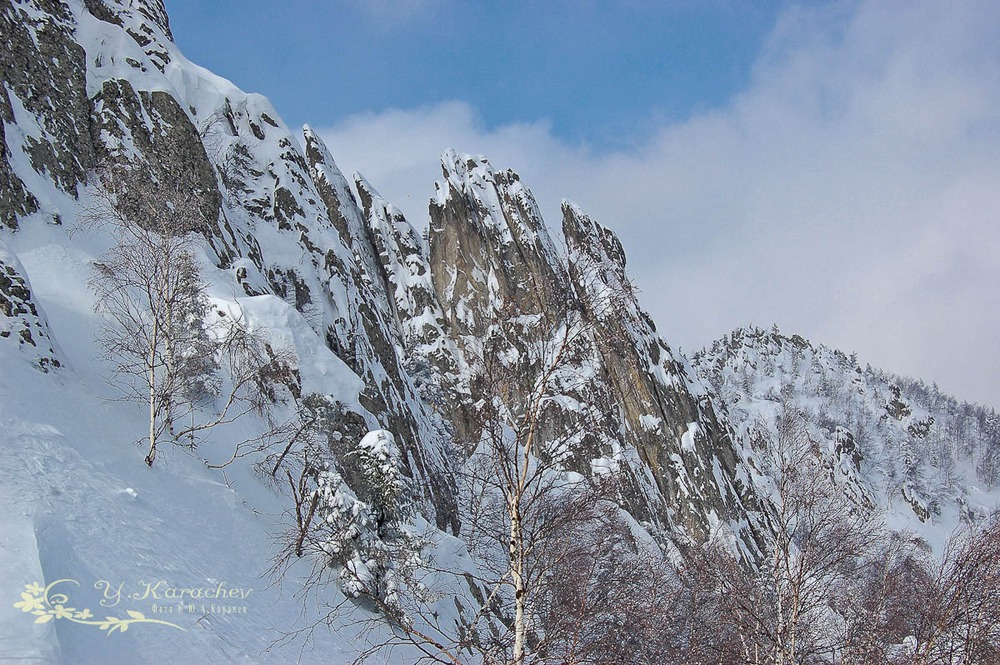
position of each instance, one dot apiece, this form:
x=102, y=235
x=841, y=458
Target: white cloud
x=851, y=193
x=399, y=150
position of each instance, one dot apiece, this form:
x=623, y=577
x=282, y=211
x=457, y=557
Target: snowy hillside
x=249, y=414
x=358, y=326
x=926, y=458
x=103, y=86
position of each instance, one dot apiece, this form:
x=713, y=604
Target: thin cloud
x=848, y=194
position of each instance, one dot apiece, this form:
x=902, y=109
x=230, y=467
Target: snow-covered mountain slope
x=385, y=331
x=77, y=506
x=927, y=459
x=100, y=85
x=395, y=344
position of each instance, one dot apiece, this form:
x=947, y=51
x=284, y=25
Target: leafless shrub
x=956, y=618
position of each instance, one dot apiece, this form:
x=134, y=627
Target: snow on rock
x=319, y=369
x=395, y=332
x=688, y=438
x=44, y=92
x=101, y=83
x=507, y=294
x=486, y=230
x=23, y=324
x=891, y=443
x=698, y=465
x=432, y=356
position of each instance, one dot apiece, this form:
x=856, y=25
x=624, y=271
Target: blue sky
x=832, y=167
x=602, y=73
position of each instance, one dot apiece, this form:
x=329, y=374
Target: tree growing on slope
x=955, y=617
x=836, y=586
x=780, y=611
x=155, y=332
x=539, y=535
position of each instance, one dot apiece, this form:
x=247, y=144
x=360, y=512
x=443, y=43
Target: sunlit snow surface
x=79, y=504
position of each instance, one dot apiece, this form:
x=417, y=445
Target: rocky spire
x=432, y=357
x=665, y=411
x=489, y=247
x=637, y=410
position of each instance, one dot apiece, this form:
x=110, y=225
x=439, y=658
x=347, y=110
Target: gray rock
x=45, y=69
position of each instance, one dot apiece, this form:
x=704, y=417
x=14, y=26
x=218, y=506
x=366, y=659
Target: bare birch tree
x=956, y=616
x=154, y=306
x=513, y=477
x=521, y=511
x=780, y=610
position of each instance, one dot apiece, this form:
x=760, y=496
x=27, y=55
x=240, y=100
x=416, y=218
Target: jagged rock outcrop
x=489, y=244
x=630, y=404
x=103, y=85
x=432, y=357
x=302, y=201
x=148, y=139
x=663, y=410
x=44, y=99
x=21, y=321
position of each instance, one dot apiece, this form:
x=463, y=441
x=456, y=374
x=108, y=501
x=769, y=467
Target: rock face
x=21, y=321
x=489, y=245
x=367, y=331
x=666, y=414
x=15, y=200
x=148, y=138
x=99, y=85
x=432, y=357
x=44, y=98
x=632, y=406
